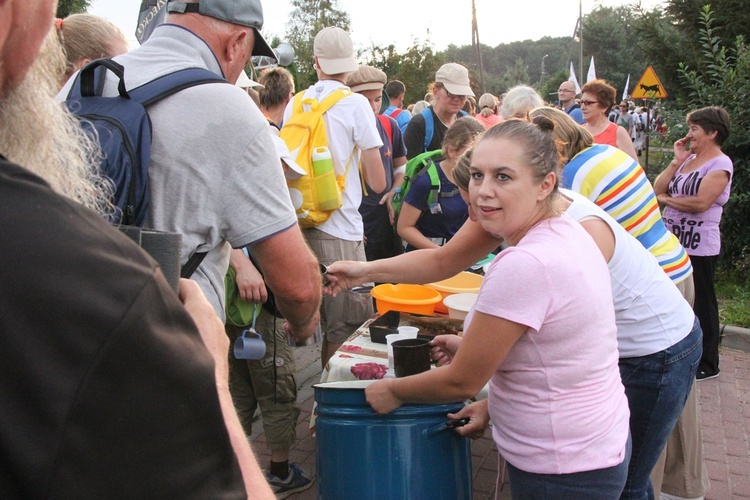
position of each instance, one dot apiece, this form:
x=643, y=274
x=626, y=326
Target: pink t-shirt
x=557, y=403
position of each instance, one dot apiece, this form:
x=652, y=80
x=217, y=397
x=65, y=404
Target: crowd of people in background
x=219, y=176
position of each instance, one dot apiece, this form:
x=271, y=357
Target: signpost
x=649, y=87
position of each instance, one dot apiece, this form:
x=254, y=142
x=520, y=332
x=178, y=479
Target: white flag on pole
x=572, y=78
x=592, y=71
x=626, y=92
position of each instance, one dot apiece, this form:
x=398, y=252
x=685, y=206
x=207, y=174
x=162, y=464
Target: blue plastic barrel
x=402, y=455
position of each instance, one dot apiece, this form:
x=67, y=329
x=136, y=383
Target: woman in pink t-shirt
x=542, y=331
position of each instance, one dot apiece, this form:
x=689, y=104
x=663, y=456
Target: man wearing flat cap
x=381, y=240
x=214, y=174
x=426, y=130
x=353, y=140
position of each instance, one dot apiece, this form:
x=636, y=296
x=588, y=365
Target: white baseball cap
x=334, y=50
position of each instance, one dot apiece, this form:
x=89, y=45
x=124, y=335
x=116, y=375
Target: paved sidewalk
x=725, y=413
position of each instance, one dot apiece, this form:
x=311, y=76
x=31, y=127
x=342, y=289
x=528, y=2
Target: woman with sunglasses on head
x=597, y=98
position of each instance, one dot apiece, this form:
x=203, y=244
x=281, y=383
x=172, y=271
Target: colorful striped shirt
x=616, y=182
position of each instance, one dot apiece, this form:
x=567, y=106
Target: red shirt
x=608, y=135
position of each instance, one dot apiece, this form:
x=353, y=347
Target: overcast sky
x=401, y=21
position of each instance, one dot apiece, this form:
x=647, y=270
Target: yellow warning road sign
x=649, y=86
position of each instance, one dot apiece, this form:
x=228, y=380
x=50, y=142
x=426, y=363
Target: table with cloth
x=359, y=358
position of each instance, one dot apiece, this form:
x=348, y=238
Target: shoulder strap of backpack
x=297, y=102
x=166, y=85
x=192, y=264
x=386, y=123
x=331, y=99
x=424, y=164
x=90, y=82
x=396, y=112
x=434, y=195
x=319, y=106
x=429, y=126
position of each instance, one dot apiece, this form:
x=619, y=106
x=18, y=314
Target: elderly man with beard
x=109, y=385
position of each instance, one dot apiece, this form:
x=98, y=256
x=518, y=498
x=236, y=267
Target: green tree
x=730, y=17
x=305, y=21
x=670, y=36
x=385, y=58
x=68, y=7
x=663, y=45
x=416, y=68
x=611, y=35
x=518, y=74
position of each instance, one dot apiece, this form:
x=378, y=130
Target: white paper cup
x=411, y=332
x=390, y=338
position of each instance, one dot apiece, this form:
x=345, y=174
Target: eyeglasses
x=560, y=91
x=623, y=105
x=454, y=97
x=589, y=103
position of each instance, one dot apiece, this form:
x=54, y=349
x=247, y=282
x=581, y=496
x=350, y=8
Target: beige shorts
x=340, y=316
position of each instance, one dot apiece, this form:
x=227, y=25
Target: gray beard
x=39, y=134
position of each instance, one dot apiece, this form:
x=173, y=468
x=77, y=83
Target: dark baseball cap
x=243, y=12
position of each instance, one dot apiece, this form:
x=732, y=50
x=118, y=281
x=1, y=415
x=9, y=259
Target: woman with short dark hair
x=694, y=189
x=597, y=98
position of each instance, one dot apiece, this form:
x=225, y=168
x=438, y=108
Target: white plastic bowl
x=459, y=304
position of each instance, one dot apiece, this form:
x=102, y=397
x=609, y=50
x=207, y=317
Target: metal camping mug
x=250, y=345
x=411, y=356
